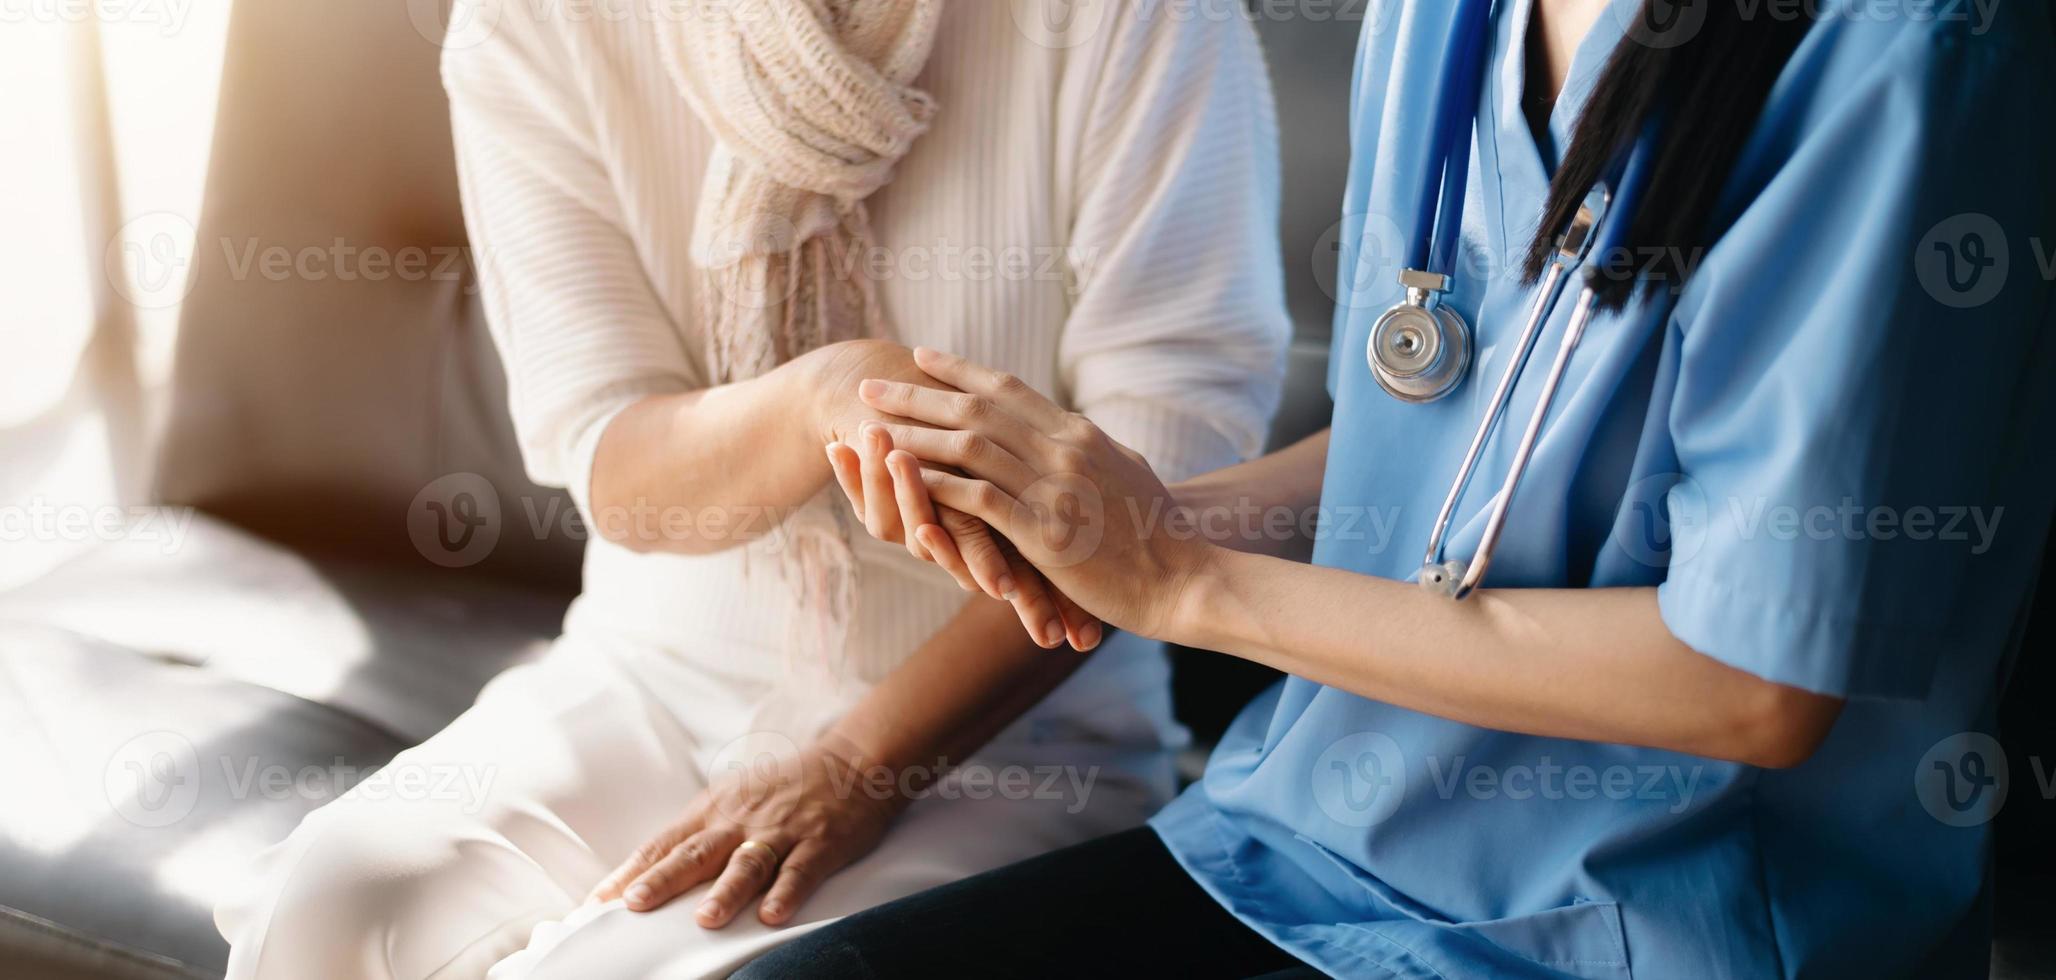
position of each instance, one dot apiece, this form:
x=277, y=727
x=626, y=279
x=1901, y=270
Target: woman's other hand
x=767, y=834
x=1086, y=511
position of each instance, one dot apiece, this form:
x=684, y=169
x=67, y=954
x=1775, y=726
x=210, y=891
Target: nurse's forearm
x=1592, y=664
x=1261, y=507
x=971, y=680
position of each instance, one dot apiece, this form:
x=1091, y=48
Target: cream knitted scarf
x=811, y=104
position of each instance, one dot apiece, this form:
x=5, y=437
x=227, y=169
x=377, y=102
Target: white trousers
x=470, y=854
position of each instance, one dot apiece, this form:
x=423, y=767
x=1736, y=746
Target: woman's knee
x=332, y=897
x=329, y=876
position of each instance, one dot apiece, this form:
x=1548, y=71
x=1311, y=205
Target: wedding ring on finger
x=770, y=853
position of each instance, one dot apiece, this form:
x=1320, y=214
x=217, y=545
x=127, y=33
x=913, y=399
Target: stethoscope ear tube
x=1545, y=299
x=1440, y=217
x=1495, y=523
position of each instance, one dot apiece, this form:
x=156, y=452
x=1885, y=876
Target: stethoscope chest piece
x=1420, y=350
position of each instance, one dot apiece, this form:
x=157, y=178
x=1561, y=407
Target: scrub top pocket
x=1583, y=939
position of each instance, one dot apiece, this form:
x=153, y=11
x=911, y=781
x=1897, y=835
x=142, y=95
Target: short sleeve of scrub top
x=1849, y=394
x=1829, y=455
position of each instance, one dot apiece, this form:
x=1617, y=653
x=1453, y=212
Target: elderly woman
x=699, y=225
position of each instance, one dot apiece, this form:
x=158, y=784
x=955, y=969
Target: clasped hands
x=940, y=454
x=1083, y=512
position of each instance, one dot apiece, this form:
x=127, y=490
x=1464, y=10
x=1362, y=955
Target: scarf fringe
x=811, y=103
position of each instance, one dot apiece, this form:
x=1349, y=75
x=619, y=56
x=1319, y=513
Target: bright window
x=100, y=181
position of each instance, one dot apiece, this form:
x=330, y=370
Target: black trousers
x=1119, y=906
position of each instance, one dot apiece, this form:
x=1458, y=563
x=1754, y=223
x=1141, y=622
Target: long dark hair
x=1708, y=68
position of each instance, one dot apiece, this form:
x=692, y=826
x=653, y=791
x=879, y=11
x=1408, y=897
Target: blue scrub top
x=1830, y=454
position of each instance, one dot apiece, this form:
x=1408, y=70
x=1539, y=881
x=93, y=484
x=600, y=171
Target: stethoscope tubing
x=1631, y=179
x=1545, y=300
x=1495, y=524
x=1436, y=228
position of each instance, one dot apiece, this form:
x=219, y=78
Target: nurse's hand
x=963, y=546
x=867, y=479
x=969, y=553
x=1083, y=509
x=765, y=835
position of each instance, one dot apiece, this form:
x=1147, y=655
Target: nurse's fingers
x=978, y=498
x=1034, y=598
x=798, y=876
x=958, y=411
x=952, y=539
x=964, y=375
x=751, y=867
x=848, y=468
x=881, y=512
x=915, y=511
x=1035, y=603
x=970, y=452
x=1028, y=602
x=977, y=552
x=692, y=861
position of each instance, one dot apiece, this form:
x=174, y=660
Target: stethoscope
x=1420, y=349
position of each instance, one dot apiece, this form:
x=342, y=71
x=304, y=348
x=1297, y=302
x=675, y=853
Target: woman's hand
x=777, y=830
x=1049, y=616
x=1086, y=511
x=970, y=555
x=962, y=545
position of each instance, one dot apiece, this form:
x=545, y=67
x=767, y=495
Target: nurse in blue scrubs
x=1723, y=705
